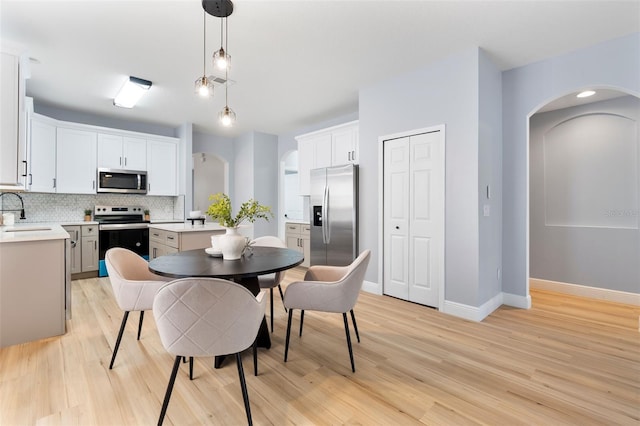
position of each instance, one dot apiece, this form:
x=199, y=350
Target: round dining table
x=245, y=271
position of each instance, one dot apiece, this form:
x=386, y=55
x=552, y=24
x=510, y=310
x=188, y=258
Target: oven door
x=132, y=236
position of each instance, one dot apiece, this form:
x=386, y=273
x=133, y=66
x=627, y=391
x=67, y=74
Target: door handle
x=25, y=168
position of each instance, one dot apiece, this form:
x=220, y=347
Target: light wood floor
x=565, y=361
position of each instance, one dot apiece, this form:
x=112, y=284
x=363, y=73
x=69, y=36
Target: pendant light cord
x=204, y=43
x=226, y=69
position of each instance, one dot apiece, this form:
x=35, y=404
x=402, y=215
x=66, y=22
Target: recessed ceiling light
x=131, y=92
x=586, y=94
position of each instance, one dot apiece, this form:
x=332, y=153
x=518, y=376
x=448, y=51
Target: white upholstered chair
x=270, y=280
x=205, y=317
x=134, y=286
x=328, y=289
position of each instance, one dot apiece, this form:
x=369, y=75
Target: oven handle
x=119, y=226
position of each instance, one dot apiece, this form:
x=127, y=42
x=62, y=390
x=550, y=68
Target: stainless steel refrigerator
x=334, y=215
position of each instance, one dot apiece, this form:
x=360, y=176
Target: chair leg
x=282, y=297
x=271, y=303
x=301, y=321
x=255, y=357
x=190, y=368
x=140, y=323
x=243, y=385
x=286, y=343
x=346, y=330
x=167, y=395
x=115, y=349
x=355, y=326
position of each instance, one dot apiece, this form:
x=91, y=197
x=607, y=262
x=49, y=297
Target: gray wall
x=266, y=169
x=612, y=64
x=490, y=174
x=442, y=93
x=600, y=254
x=99, y=120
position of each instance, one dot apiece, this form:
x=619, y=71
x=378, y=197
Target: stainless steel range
x=121, y=226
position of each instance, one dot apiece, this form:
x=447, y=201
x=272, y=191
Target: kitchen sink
x=27, y=229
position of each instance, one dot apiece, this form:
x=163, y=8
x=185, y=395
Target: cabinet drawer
x=157, y=235
x=305, y=230
x=90, y=230
x=292, y=228
x=172, y=239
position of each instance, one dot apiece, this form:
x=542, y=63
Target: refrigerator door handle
x=326, y=220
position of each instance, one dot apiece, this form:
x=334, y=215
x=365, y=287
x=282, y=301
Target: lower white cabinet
x=90, y=255
x=298, y=237
x=76, y=159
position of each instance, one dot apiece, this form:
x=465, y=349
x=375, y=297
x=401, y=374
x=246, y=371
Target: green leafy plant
x=87, y=212
x=220, y=210
x=146, y=212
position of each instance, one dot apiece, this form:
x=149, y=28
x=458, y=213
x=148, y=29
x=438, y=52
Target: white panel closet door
x=414, y=217
x=426, y=203
x=396, y=218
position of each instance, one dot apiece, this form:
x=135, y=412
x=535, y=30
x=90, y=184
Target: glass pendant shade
x=221, y=59
x=204, y=87
x=227, y=117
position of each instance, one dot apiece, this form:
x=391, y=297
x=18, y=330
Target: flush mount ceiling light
x=131, y=92
x=586, y=94
x=204, y=87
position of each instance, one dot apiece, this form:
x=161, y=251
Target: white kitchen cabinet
x=42, y=162
x=90, y=245
x=163, y=241
x=344, y=146
x=76, y=161
x=333, y=146
x=13, y=161
x=162, y=168
x=298, y=237
x=122, y=152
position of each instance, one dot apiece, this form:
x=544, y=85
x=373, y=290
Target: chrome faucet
x=22, y=216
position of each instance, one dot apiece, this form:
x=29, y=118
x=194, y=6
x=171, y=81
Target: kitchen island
x=167, y=238
x=35, y=292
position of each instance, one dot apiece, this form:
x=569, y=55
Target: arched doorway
x=210, y=176
x=584, y=192
x=291, y=203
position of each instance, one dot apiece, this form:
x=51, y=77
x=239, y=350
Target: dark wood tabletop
x=197, y=263
x=245, y=271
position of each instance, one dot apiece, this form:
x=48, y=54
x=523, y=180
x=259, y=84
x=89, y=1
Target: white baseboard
x=517, y=301
x=586, y=291
x=472, y=313
x=371, y=287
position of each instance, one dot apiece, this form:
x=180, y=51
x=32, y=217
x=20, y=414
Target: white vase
x=231, y=244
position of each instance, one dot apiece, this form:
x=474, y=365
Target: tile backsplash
x=42, y=207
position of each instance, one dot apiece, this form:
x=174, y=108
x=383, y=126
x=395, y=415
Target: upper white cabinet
x=42, y=162
x=162, y=168
x=344, y=146
x=333, y=146
x=13, y=161
x=76, y=161
x=122, y=152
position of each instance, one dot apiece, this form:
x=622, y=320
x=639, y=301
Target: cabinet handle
x=30, y=179
x=353, y=156
x=154, y=252
x=120, y=161
x=25, y=168
x=125, y=161
x=95, y=244
x=93, y=185
x=169, y=238
x=54, y=182
x=349, y=156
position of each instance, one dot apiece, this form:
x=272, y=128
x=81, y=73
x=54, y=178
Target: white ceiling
x=295, y=63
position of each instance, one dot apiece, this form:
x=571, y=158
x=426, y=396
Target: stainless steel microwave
x=122, y=181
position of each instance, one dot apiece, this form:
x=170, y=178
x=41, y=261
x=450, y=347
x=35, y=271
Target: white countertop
x=24, y=232
x=186, y=227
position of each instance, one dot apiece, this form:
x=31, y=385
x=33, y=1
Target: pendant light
x=227, y=116
x=221, y=58
x=204, y=86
